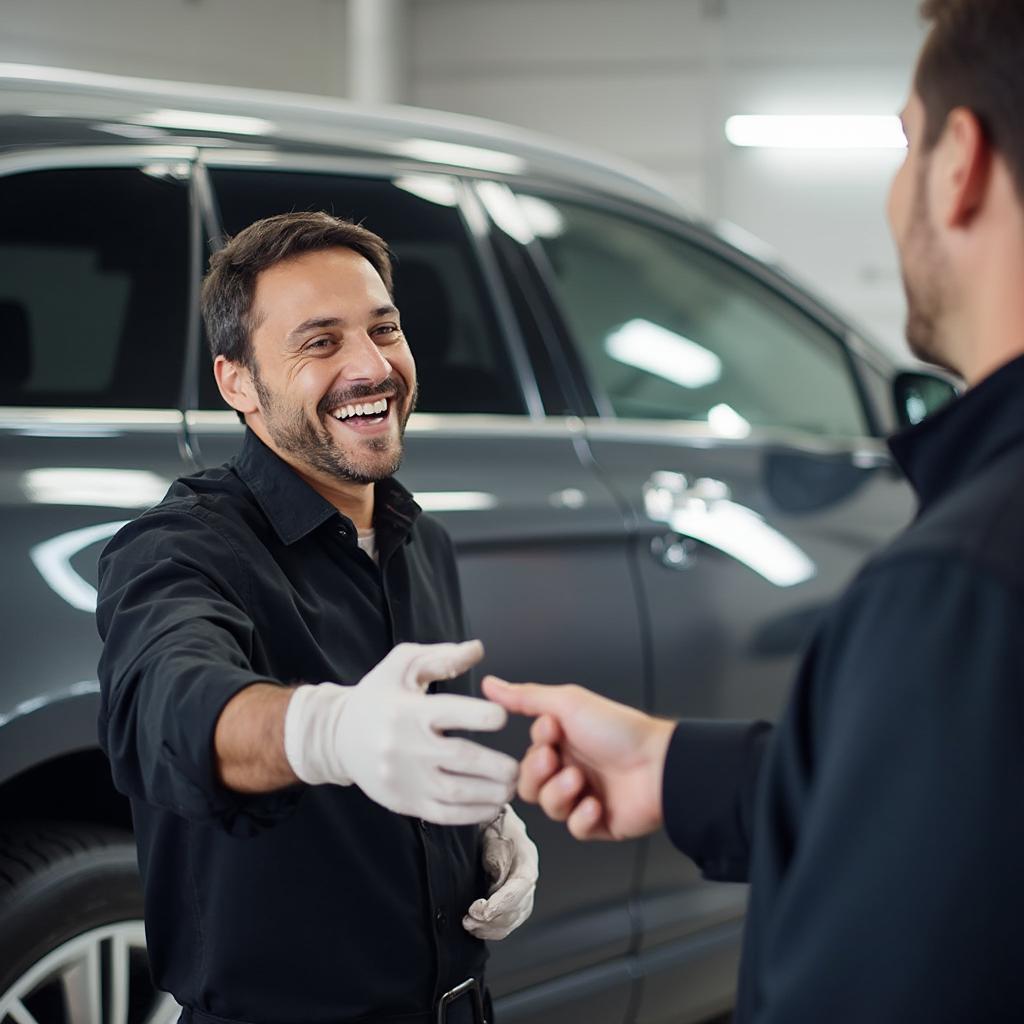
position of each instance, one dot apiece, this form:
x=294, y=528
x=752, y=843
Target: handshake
x=593, y=763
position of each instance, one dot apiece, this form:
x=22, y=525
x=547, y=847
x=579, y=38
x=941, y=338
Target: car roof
x=44, y=106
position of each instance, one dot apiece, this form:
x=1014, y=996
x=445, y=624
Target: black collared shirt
x=313, y=904
x=882, y=825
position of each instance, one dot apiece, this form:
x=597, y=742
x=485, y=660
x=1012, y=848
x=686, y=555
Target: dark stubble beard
x=926, y=282
x=314, y=445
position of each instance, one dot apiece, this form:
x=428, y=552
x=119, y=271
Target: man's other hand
x=594, y=764
x=510, y=858
x=386, y=735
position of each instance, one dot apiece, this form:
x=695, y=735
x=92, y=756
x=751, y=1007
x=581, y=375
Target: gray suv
x=659, y=459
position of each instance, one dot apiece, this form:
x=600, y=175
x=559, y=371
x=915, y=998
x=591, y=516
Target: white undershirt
x=367, y=540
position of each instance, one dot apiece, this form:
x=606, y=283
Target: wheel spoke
x=120, y=963
x=165, y=1011
x=82, y=988
x=20, y=1014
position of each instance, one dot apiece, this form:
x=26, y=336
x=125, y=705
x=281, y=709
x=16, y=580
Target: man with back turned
x=881, y=823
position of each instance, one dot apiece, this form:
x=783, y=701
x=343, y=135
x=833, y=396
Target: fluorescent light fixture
x=436, y=152
x=816, y=131
x=455, y=501
x=503, y=206
x=52, y=558
x=108, y=488
x=725, y=421
x=664, y=353
x=435, y=189
x=202, y=121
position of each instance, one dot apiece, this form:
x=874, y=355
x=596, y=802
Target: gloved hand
x=385, y=735
x=510, y=858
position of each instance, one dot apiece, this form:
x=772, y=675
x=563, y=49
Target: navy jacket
x=882, y=824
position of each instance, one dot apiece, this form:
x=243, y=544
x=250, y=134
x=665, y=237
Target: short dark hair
x=974, y=58
x=230, y=286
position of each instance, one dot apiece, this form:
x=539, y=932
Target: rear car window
x=93, y=288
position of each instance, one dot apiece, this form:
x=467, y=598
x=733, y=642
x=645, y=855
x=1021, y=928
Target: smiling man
x=311, y=851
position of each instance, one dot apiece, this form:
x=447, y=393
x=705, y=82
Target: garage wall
x=271, y=44
x=648, y=80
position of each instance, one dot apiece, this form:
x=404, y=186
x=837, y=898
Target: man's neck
x=993, y=328
x=351, y=499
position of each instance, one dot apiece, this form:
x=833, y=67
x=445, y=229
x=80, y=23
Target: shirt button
x=439, y=920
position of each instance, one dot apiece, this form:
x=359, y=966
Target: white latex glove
x=510, y=858
x=385, y=735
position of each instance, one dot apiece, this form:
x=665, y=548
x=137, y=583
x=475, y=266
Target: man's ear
x=961, y=166
x=235, y=383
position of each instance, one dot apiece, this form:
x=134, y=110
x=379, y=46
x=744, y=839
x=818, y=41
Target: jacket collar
x=958, y=441
x=294, y=509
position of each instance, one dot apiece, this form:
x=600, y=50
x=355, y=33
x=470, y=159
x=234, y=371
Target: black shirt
x=313, y=904
x=885, y=846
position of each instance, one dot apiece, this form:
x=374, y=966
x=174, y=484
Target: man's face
x=923, y=263
x=333, y=373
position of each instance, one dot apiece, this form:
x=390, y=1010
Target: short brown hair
x=230, y=285
x=974, y=58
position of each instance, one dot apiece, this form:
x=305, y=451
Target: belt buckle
x=470, y=987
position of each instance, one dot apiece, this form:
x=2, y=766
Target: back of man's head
x=974, y=58
x=230, y=287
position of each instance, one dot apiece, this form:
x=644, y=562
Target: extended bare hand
x=594, y=764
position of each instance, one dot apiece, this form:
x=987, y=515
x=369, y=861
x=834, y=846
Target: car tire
x=71, y=926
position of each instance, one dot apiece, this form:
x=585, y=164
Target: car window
x=461, y=361
x=93, y=288
x=667, y=330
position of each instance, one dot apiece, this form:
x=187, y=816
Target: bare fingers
x=540, y=763
x=560, y=795
x=587, y=820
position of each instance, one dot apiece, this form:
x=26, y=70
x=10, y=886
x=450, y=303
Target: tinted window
x=668, y=330
x=460, y=358
x=93, y=288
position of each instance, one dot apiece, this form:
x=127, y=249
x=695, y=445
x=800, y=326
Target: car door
x=94, y=306
x=540, y=538
x=735, y=431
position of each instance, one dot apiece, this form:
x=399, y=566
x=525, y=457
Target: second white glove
x=386, y=735
x=510, y=858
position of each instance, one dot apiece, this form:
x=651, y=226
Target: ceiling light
x=816, y=131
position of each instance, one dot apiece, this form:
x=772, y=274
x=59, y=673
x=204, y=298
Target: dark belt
x=463, y=1004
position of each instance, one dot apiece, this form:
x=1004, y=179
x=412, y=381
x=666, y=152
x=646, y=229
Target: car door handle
x=665, y=493
x=702, y=511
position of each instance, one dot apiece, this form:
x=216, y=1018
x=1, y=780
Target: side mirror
x=918, y=395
